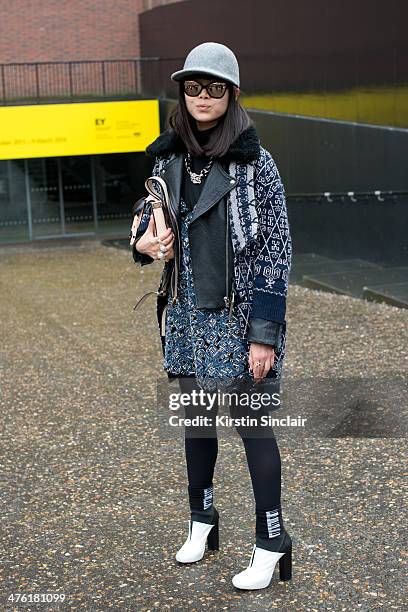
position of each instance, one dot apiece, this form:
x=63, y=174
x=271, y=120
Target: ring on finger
x=163, y=248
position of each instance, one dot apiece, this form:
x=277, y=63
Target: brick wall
x=55, y=30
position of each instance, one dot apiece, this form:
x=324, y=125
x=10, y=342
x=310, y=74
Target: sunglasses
x=214, y=89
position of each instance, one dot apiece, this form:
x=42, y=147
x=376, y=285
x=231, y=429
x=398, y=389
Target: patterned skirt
x=202, y=342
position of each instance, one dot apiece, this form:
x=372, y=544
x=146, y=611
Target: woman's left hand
x=263, y=354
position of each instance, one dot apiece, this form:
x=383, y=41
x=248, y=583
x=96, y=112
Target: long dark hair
x=234, y=121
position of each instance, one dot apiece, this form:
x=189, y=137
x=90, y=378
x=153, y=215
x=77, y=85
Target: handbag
x=158, y=199
x=157, y=202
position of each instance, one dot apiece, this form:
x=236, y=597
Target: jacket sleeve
x=142, y=258
x=265, y=332
x=273, y=262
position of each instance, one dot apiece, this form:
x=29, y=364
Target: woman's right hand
x=149, y=244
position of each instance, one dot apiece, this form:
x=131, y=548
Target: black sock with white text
x=269, y=528
x=201, y=503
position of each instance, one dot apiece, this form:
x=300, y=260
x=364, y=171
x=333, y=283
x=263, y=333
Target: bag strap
x=229, y=301
x=142, y=299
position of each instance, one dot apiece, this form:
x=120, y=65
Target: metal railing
x=72, y=80
x=349, y=196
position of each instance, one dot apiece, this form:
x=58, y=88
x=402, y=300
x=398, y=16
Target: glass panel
x=77, y=194
x=44, y=195
x=119, y=182
x=13, y=206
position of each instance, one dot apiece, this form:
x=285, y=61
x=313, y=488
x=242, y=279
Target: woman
x=227, y=320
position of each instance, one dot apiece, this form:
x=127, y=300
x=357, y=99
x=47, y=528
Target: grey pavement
x=93, y=496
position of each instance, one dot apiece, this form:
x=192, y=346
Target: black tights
x=264, y=463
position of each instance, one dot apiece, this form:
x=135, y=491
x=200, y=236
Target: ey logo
x=100, y=121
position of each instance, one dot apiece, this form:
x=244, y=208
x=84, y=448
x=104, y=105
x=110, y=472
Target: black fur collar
x=245, y=149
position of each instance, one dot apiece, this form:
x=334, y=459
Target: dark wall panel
x=318, y=155
x=287, y=44
x=368, y=230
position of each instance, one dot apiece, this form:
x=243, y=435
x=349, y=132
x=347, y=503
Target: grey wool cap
x=213, y=59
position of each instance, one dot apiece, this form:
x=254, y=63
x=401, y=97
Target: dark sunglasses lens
x=217, y=90
x=192, y=88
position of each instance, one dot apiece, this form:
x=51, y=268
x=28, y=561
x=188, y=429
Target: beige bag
x=164, y=217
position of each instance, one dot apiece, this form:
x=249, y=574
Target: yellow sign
x=53, y=130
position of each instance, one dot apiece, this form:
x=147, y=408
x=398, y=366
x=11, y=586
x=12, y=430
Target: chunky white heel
x=198, y=533
x=260, y=570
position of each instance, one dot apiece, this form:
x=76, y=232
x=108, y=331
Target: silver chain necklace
x=194, y=177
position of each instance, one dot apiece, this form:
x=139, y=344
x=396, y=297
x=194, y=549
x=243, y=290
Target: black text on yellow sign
x=54, y=130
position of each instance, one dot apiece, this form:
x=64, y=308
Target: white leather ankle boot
x=198, y=533
x=260, y=570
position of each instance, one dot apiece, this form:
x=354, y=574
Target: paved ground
x=93, y=497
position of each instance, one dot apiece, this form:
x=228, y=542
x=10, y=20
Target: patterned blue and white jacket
x=260, y=231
